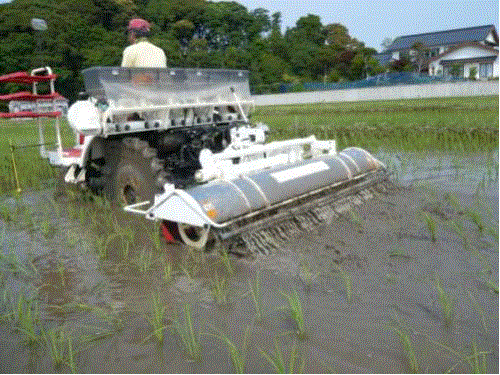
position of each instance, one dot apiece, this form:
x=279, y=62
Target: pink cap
x=138, y=24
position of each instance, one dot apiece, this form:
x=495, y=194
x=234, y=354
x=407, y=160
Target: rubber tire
x=132, y=180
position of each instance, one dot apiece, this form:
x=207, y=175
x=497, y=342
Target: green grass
x=32, y=170
x=468, y=123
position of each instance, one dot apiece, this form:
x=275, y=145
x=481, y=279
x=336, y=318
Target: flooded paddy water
x=406, y=282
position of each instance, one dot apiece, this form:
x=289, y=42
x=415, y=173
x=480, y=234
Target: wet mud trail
x=407, y=281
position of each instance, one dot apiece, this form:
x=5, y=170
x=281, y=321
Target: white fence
x=469, y=88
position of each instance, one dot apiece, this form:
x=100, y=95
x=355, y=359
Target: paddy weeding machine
x=176, y=146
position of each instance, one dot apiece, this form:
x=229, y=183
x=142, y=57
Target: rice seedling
x=306, y=275
x=56, y=341
x=256, y=298
x=220, y=289
x=398, y=253
x=238, y=356
x=25, y=315
x=295, y=308
x=296, y=363
x=157, y=317
x=101, y=246
x=479, y=310
x=167, y=272
x=186, y=332
x=9, y=262
x=145, y=260
x=476, y=219
x=458, y=228
x=153, y=232
x=446, y=303
x=6, y=213
x=48, y=228
x=224, y=259
x=476, y=360
x=430, y=223
x=347, y=281
x=407, y=344
x=356, y=219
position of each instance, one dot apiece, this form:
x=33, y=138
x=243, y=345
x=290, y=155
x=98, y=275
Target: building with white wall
x=448, y=51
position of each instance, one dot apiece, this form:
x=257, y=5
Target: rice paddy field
x=405, y=282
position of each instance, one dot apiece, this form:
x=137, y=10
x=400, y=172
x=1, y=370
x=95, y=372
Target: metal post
x=14, y=167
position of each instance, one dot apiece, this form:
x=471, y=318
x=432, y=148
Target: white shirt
x=144, y=54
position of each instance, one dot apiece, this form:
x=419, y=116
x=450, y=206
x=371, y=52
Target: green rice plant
x=476, y=360
x=453, y=201
x=153, y=232
x=56, y=340
x=256, y=298
x=238, y=356
x=458, y=228
x=405, y=340
x=157, y=317
x=446, y=303
x=430, y=223
x=101, y=246
x=60, y=348
x=187, y=334
x=6, y=213
x=48, y=228
x=356, y=219
x=145, y=260
x=224, y=259
x=220, y=289
x=476, y=219
x=295, y=308
x=399, y=253
x=306, y=275
x=296, y=362
x=26, y=317
x=346, y=279
x=167, y=272
x=9, y=262
x=479, y=310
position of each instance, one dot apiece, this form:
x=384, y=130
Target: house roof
x=446, y=37
x=463, y=45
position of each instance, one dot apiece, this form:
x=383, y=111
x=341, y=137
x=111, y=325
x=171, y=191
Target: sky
x=373, y=21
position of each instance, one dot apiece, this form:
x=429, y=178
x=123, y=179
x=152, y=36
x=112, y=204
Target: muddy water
x=368, y=283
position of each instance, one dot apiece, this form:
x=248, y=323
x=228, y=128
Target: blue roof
x=442, y=38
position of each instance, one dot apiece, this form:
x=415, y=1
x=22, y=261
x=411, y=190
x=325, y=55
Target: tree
x=386, y=43
x=418, y=55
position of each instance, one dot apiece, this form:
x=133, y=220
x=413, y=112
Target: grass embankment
x=466, y=123
x=33, y=171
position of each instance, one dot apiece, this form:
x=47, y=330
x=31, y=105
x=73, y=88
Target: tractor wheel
x=196, y=237
x=134, y=179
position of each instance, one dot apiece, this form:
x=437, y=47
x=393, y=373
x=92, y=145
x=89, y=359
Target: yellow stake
x=18, y=187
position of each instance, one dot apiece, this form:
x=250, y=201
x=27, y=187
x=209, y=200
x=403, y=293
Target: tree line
x=193, y=33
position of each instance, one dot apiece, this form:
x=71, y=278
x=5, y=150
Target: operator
x=141, y=53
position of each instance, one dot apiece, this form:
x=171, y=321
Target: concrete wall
x=382, y=93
